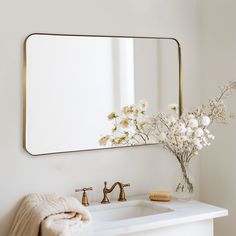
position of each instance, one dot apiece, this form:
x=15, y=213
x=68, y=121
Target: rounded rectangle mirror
x=73, y=83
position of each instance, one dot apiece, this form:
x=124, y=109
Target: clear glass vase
x=184, y=188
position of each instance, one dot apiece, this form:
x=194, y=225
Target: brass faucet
x=85, y=201
x=121, y=198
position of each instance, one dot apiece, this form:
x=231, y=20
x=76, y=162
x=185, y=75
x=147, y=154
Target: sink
x=143, y=217
x=126, y=210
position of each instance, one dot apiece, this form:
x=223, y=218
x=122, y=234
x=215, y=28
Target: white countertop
x=183, y=212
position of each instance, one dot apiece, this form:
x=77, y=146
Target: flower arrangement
x=184, y=136
x=130, y=127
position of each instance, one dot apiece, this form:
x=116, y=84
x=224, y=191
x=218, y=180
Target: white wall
x=146, y=168
x=218, y=61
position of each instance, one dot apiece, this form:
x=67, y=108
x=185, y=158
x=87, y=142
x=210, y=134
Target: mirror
x=72, y=84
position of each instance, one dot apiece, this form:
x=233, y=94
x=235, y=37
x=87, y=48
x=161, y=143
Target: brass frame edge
x=180, y=80
x=114, y=36
x=24, y=98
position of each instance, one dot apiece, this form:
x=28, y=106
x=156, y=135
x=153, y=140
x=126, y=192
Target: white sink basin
x=125, y=210
x=139, y=215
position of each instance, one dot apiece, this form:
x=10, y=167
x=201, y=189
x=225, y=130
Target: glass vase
x=184, y=188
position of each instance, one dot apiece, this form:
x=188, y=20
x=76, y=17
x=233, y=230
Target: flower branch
x=183, y=136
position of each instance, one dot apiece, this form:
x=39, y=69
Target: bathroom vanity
x=140, y=216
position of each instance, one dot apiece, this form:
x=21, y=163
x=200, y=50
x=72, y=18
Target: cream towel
x=49, y=215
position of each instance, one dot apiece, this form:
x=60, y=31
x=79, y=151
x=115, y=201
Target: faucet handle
x=126, y=185
x=122, y=197
x=83, y=189
x=85, y=201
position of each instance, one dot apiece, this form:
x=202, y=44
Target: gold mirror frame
x=180, y=103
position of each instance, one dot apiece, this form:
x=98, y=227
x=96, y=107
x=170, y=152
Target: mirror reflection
x=73, y=83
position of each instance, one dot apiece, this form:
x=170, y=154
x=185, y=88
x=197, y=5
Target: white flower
x=193, y=123
x=189, y=131
x=196, y=141
x=143, y=105
x=182, y=129
x=162, y=137
x=127, y=110
x=184, y=138
x=198, y=132
x=112, y=116
x=199, y=146
x=210, y=136
x=104, y=139
x=191, y=116
x=207, y=131
x=125, y=123
x=173, y=119
x=205, y=121
x=204, y=140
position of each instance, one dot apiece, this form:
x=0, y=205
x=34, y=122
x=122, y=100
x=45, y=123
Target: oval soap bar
x=163, y=196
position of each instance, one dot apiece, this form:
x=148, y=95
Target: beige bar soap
x=163, y=196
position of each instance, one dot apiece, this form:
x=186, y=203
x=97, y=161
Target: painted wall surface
x=218, y=61
x=146, y=168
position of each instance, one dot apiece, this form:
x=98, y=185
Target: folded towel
x=49, y=215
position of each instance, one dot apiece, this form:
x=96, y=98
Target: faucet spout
x=106, y=190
